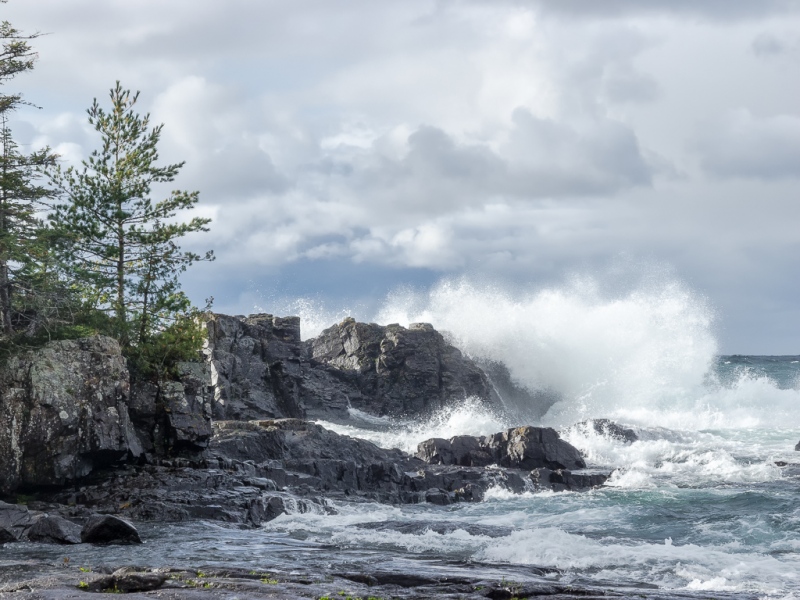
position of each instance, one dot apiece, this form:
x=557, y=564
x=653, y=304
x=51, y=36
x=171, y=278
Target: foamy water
x=698, y=503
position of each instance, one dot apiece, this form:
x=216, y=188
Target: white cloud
x=519, y=138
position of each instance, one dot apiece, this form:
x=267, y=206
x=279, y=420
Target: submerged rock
x=562, y=479
x=608, y=428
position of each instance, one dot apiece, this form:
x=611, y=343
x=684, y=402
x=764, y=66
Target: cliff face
x=70, y=407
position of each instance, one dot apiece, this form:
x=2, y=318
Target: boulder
x=15, y=521
x=108, y=529
x=55, y=530
x=401, y=372
x=521, y=448
x=64, y=413
x=797, y=447
x=533, y=447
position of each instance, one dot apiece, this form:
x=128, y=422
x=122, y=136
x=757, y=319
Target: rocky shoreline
x=88, y=449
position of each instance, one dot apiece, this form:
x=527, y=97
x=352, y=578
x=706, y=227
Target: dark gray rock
x=261, y=369
x=15, y=521
x=533, y=447
x=797, y=447
x=55, y=530
x=108, y=529
x=64, y=413
x=608, y=428
x=437, y=496
x=255, y=366
x=562, y=479
x=401, y=372
x=521, y=448
x=126, y=581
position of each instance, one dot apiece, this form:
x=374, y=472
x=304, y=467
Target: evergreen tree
x=122, y=244
x=20, y=197
x=20, y=200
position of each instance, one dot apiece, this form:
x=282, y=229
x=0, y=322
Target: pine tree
x=122, y=244
x=20, y=200
x=20, y=197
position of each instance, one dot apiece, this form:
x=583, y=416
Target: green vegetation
x=106, y=259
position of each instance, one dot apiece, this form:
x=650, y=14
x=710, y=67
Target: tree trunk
x=5, y=299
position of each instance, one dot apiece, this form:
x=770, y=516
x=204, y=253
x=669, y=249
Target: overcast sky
x=345, y=148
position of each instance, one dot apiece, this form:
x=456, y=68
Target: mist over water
x=646, y=356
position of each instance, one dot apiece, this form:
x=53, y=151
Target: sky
x=348, y=149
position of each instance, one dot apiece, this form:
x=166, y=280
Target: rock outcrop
x=261, y=369
x=71, y=412
x=256, y=366
x=64, y=412
x=398, y=371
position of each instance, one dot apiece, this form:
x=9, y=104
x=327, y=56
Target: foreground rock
x=14, y=522
x=451, y=581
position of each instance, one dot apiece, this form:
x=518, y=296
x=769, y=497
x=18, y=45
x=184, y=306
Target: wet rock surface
x=520, y=448
x=609, y=428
